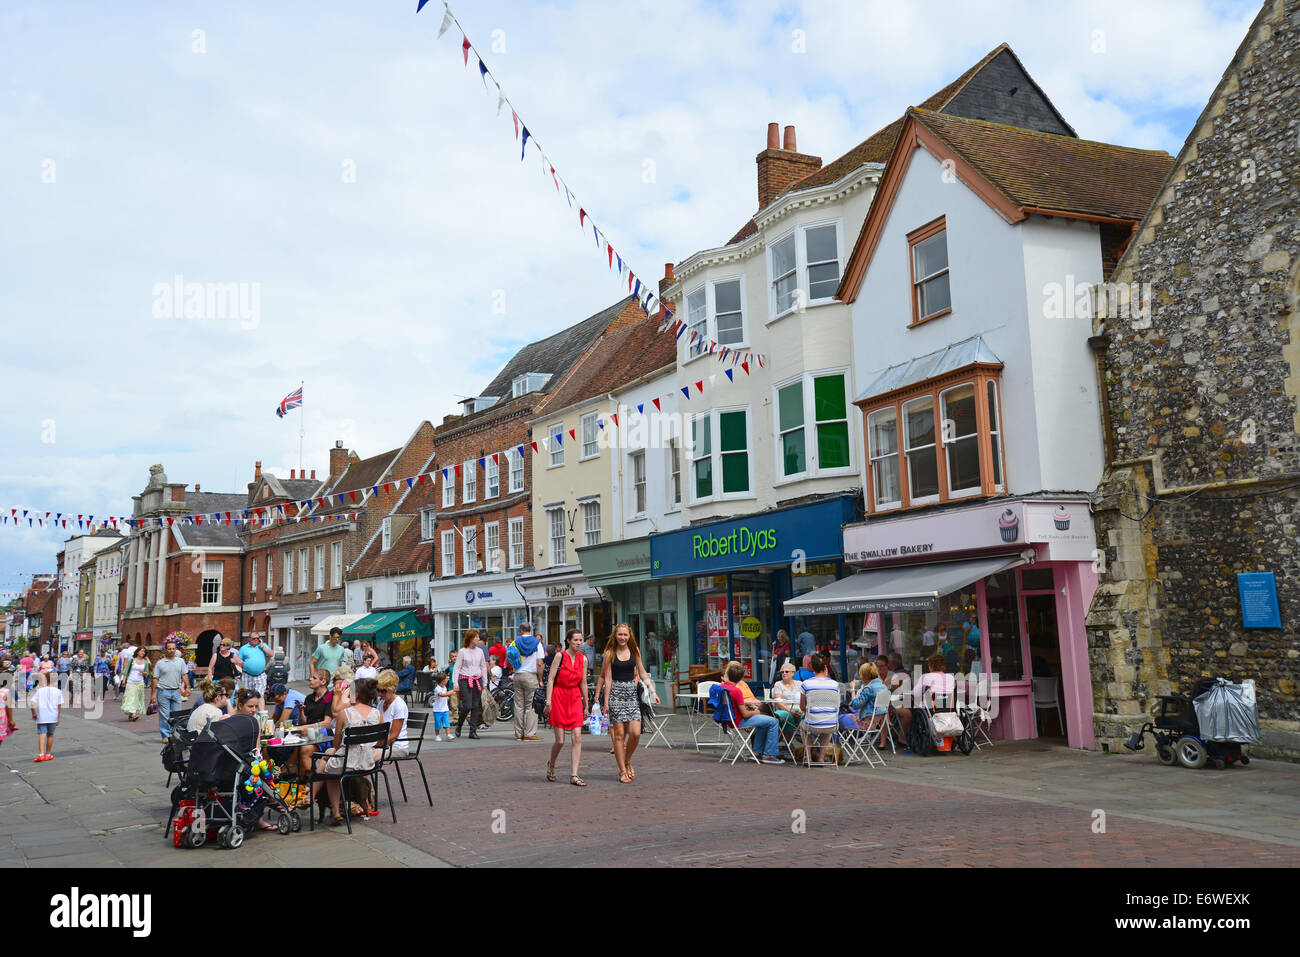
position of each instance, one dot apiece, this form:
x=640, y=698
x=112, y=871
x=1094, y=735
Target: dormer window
x=931, y=295
x=387, y=535
x=528, y=382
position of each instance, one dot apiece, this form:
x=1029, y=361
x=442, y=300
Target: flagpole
x=302, y=425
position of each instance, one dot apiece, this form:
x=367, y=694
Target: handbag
x=152, y=709
x=648, y=694
x=946, y=724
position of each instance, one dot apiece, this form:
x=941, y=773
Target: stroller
x=1210, y=724
x=212, y=801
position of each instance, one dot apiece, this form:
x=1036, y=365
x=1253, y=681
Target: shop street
x=101, y=802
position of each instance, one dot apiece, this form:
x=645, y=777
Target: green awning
x=382, y=626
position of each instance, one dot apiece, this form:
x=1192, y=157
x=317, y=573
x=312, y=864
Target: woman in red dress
x=566, y=704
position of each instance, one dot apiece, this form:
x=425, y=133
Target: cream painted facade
x=813, y=337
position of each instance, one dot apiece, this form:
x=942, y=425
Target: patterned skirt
x=136, y=700
x=624, y=702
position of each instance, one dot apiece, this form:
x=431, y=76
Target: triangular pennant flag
x=601, y=423
x=546, y=444
x=515, y=117
x=614, y=416
x=501, y=98
x=637, y=291
x=596, y=233
x=657, y=406
x=686, y=391
x=496, y=458
x=582, y=217
x=354, y=495
x=457, y=468
x=572, y=435
x=447, y=19
x=444, y=475
x=730, y=377
x=524, y=146
x=620, y=263
x=568, y=196
x=640, y=408
x=482, y=72
x=610, y=250
x=386, y=487
x=534, y=445
x=481, y=465
x=700, y=385
x=520, y=449
x=410, y=482
x=465, y=47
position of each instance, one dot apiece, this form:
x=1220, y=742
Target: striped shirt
x=822, y=717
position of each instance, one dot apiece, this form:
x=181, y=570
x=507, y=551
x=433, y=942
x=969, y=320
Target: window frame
x=469, y=549
x=448, y=566
x=700, y=326
x=709, y=323
x=914, y=239
x=639, y=484
x=511, y=525
x=674, y=474
x=304, y=572
x=369, y=599
x=288, y=571
x=563, y=537
x=252, y=578
x=554, y=431
x=449, y=490
x=491, y=478
x=405, y=592
x=270, y=572
x=716, y=454
x=386, y=533
x=514, y=454
x=491, y=530
x=809, y=425
x=469, y=481
x=205, y=578
x=318, y=567
x=336, y=564
x=802, y=283
x=588, y=418
x=428, y=524
x=977, y=374
x=588, y=507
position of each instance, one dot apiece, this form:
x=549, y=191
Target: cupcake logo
x=1062, y=518
x=1009, y=525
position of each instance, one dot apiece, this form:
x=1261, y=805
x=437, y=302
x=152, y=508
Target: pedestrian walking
x=7, y=726
x=224, y=663
x=329, y=655
x=620, y=675
x=441, y=711
x=81, y=678
x=135, y=700
x=104, y=671
x=46, y=705
x=64, y=669
x=471, y=676
x=171, y=686
x=566, y=703
x=527, y=679
x=253, y=658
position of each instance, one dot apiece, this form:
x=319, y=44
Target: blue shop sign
x=1259, y=607
x=809, y=532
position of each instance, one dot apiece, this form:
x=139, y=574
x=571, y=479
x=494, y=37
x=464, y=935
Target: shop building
x=979, y=400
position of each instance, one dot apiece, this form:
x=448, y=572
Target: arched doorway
x=203, y=648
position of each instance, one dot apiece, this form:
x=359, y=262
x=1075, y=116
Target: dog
x=355, y=790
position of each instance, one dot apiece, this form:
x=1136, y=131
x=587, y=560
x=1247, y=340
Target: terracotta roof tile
x=408, y=553
x=617, y=358
x=359, y=476
x=1049, y=171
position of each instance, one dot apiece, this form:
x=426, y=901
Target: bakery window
x=935, y=441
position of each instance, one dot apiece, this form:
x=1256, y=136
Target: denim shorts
x=46, y=728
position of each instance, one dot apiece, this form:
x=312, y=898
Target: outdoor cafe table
x=691, y=700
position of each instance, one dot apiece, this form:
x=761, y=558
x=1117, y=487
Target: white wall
x=1051, y=428
x=645, y=431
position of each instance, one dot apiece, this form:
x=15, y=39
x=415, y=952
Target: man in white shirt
x=528, y=675
x=46, y=705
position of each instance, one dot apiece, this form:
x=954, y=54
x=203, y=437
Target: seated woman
x=934, y=683
x=359, y=714
x=215, y=706
x=863, y=702
x=315, y=711
x=788, y=692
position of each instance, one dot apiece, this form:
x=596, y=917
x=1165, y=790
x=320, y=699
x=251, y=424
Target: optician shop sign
x=779, y=537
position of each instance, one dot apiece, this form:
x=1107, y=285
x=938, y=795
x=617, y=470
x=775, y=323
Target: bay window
x=950, y=444
x=697, y=323
x=715, y=312
x=805, y=267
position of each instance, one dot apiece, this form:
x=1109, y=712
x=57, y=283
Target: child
x=47, y=702
x=441, y=711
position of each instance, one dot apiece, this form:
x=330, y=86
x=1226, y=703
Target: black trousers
x=471, y=706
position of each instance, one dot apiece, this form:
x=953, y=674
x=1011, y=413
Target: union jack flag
x=291, y=401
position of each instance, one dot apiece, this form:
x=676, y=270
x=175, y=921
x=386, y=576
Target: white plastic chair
x=860, y=743
x=1046, y=697
x=656, y=723
x=821, y=698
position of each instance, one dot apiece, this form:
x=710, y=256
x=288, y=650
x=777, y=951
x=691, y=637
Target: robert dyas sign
x=742, y=541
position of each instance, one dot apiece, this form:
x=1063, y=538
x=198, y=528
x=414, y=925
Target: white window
x=270, y=572
x=386, y=534
x=919, y=445
x=995, y=435
x=516, y=543
x=674, y=472
x=882, y=438
x=370, y=599
x=426, y=524
x=494, y=559
x=516, y=470
x=449, y=490
x=590, y=448
x=556, y=432
x=720, y=454
x=288, y=572
x=303, y=571
x=728, y=312
x=555, y=517
x=961, y=446
x=470, y=477
x=492, y=480
x=448, y=554
x=406, y=593
x=805, y=267
x=932, y=294
x=529, y=382
x=812, y=426
x=336, y=565
x=591, y=522
x=320, y=567
x=470, y=537
x=638, y=483
x=252, y=579
x=212, y=574
x=697, y=321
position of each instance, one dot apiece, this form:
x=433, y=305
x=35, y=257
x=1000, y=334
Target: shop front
x=560, y=599
x=999, y=590
x=492, y=604
x=291, y=629
x=730, y=581
x=396, y=633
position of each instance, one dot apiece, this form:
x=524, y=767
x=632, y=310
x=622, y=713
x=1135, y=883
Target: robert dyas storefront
x=1000, y=590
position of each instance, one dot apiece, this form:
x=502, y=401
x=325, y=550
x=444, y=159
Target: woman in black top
x=316, y=710
x=619, y=674
x=222, y=664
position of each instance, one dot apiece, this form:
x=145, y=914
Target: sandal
x=623, y=778
x=577, y=781
x=338, y=819
x=630, y=773
x=550, y=773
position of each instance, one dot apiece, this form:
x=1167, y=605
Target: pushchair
x=1210, y=724
x=212, y=802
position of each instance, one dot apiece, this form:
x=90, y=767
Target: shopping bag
x=946, y=724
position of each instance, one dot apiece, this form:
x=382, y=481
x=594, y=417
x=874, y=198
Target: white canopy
x=323, y=626
x=901, y=588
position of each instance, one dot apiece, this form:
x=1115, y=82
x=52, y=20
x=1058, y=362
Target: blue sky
x=227, y=165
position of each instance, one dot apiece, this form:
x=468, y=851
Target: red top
x=500, y=651
x=566, y=696
x=737, y=700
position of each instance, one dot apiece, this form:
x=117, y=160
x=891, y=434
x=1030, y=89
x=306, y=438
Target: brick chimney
x=257, y=471
x=668, y=278
x=293, y=473
x=338, y=460
x=313, y=475
x=780, y=166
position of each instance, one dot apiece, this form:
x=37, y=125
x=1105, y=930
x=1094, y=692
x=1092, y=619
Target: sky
x=339, y=165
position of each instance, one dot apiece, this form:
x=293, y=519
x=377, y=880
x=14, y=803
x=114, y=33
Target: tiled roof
x=212, y=534
x=554, y=354
x=617, y=358
x=876, y=147
x=407, y=553
x=1048, y=171
x=358, y=478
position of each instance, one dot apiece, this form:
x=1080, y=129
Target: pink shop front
x=1000, y=590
